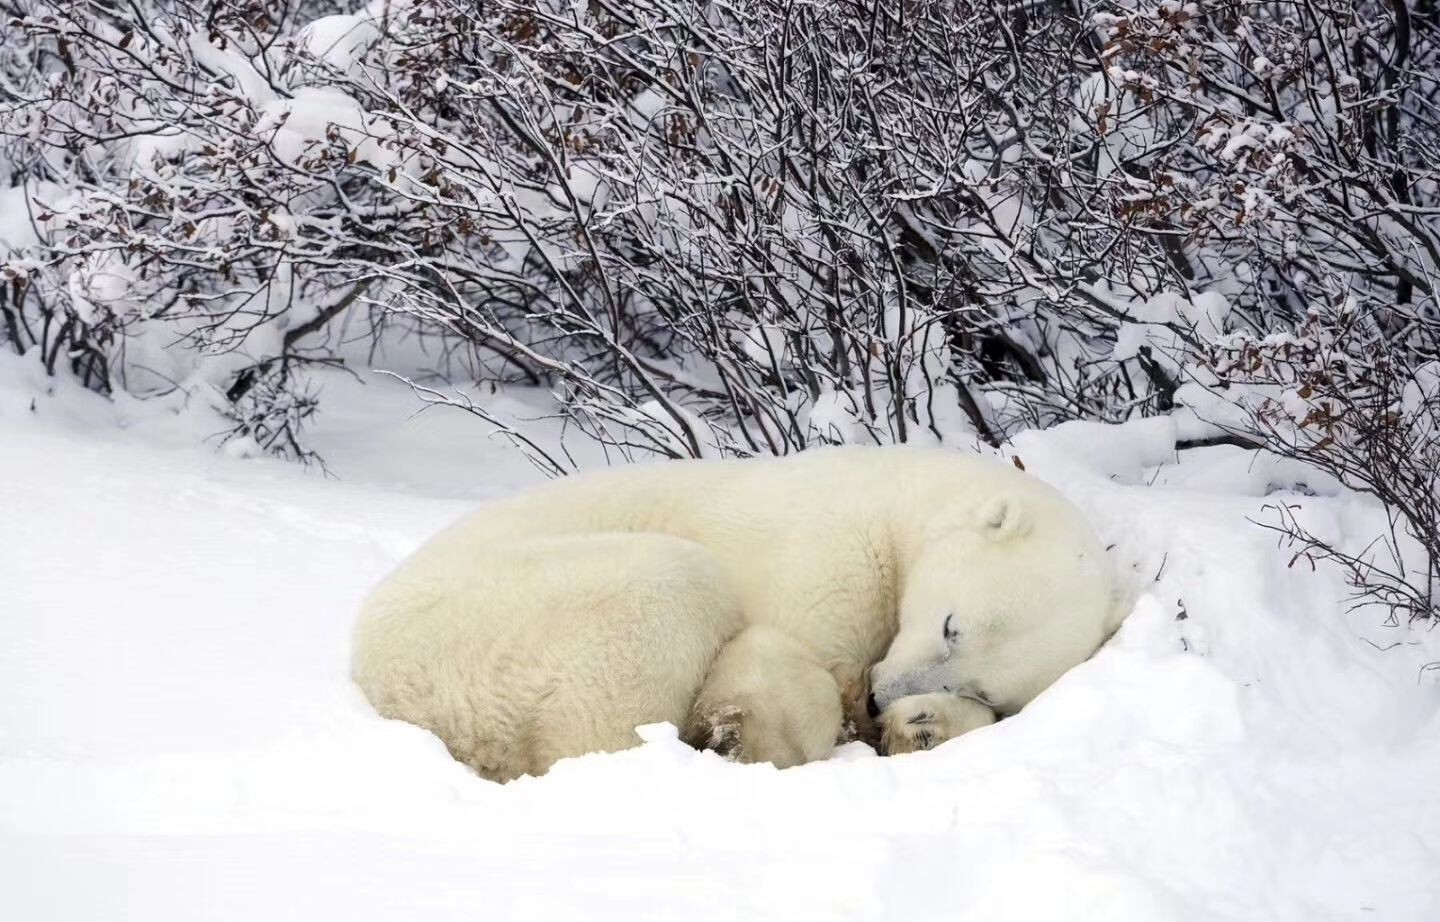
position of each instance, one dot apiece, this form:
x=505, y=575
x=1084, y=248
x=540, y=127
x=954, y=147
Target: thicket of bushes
x=738, y=228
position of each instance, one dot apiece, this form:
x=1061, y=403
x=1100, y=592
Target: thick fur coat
x=745, y=601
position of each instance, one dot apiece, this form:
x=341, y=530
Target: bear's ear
x=1002, y=518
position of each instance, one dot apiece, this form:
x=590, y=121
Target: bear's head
x=998, y=604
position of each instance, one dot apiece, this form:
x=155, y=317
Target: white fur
x=743, y=600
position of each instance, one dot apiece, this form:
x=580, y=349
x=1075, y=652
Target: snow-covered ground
x=179, y=738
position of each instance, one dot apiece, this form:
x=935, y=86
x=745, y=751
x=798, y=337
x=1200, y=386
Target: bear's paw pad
x=721, y=732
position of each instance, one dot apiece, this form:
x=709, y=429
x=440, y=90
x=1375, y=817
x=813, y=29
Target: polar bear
x=744, y=601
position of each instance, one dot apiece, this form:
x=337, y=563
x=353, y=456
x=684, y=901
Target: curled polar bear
x=745, y=601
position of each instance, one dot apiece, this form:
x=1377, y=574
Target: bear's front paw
x=921, y=722
x=905, y=730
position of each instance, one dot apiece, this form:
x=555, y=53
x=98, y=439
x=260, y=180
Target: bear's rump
x=547, y=647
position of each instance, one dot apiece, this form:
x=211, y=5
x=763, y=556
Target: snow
x=231, y=63
x=17, y=217
x=297, y=127
x=179, y=738
x=341, y=41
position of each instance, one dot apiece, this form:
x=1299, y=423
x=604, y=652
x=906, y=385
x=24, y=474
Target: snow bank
x=179, y=739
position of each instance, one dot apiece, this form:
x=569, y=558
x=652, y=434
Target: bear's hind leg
x=764, y=700
x=655, y=614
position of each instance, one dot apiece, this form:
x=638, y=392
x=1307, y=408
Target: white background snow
x=179, y=738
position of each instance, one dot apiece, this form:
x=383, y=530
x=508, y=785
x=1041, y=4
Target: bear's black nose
x=871, y=707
